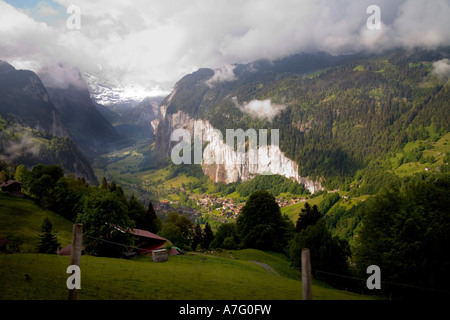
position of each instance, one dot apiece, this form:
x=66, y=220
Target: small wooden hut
x=160, y=255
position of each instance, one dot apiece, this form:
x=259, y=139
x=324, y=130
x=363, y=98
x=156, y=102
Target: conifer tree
x=48, y=242
x=155, y=223
x=104, y=184
x=208, y=236
x=137, y=212
x=198, y=237
x=112, y=186
x=308, y=217
x=261, y=225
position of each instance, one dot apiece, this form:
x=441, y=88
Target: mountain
x=32, y=128
x=23, y=145
x=133, y=120
x=25, y=100
x=108, y=92
x=86, y=126
x=335, y=115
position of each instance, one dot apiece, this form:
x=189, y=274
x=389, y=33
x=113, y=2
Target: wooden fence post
x=306, y=275
x=75, y=254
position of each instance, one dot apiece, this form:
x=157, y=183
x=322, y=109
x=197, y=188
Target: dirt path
x=268, y=268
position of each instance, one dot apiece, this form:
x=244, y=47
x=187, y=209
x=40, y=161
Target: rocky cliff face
x=27, y=104
x=220, y=161
x=25, y=100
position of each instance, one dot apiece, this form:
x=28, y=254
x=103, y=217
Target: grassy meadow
x=293, y=210
x=226, y=275
x=191, y=276
x=23, y=218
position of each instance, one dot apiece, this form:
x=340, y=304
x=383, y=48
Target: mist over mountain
x=335, y=114
x=25, y=100
x=330, y=126
x=148, y=46
x=34, y=130
x=85, y=124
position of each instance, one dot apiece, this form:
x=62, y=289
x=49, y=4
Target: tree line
x=403, y=229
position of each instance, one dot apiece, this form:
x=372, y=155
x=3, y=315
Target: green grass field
x=23, y=218
x=228, y=275
x=293, y=210
x=192, y=276
x=437, y=152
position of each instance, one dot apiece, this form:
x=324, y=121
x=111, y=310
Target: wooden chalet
x=13, y=188
x=148, y=241
x=145, y=244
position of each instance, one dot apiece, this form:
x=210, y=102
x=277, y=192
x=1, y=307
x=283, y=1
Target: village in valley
x=218, y=208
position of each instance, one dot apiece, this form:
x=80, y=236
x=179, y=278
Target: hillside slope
x=25, y=100
x=180, y=278
x=334, y=114
x=22, y=218
x=23, y=145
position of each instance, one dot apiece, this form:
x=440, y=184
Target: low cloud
x=23, y=146
x=223, y=74
x=260, y=108
x=61, y=76
x=155, y=42
x=441, y=69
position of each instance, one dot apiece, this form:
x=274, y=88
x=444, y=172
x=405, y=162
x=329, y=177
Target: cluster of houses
x=166, y=207
x=225, y=207
x=282, y=202
x=228, y=208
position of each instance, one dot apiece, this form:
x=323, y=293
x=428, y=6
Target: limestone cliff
x=220, y=161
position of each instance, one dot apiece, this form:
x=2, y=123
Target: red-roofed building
x=148, y=241
x=145, y=244
x=13, y=188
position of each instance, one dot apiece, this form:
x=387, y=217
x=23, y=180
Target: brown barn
x=145, y=244
x=13, y=188
x=148, y=241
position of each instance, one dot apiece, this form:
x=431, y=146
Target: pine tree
x=112, y=186
x=208, y=236
x=48, y=242
x=137, y=212
x=198, y=237
x=307, y=217
x=104, y=184
x=155, y=223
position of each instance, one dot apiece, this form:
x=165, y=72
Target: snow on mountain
x=109, y=91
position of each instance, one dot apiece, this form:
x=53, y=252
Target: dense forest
x=340, y=114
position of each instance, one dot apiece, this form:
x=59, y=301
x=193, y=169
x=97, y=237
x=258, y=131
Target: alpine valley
x=351, y=124
x=296, y=150
x=350, y=129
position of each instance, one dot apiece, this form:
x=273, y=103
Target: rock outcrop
x=221, y=161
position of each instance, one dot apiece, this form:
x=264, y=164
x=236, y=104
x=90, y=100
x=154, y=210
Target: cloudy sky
x=150, y=45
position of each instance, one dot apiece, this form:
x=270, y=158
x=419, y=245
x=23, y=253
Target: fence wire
x=280, y=269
